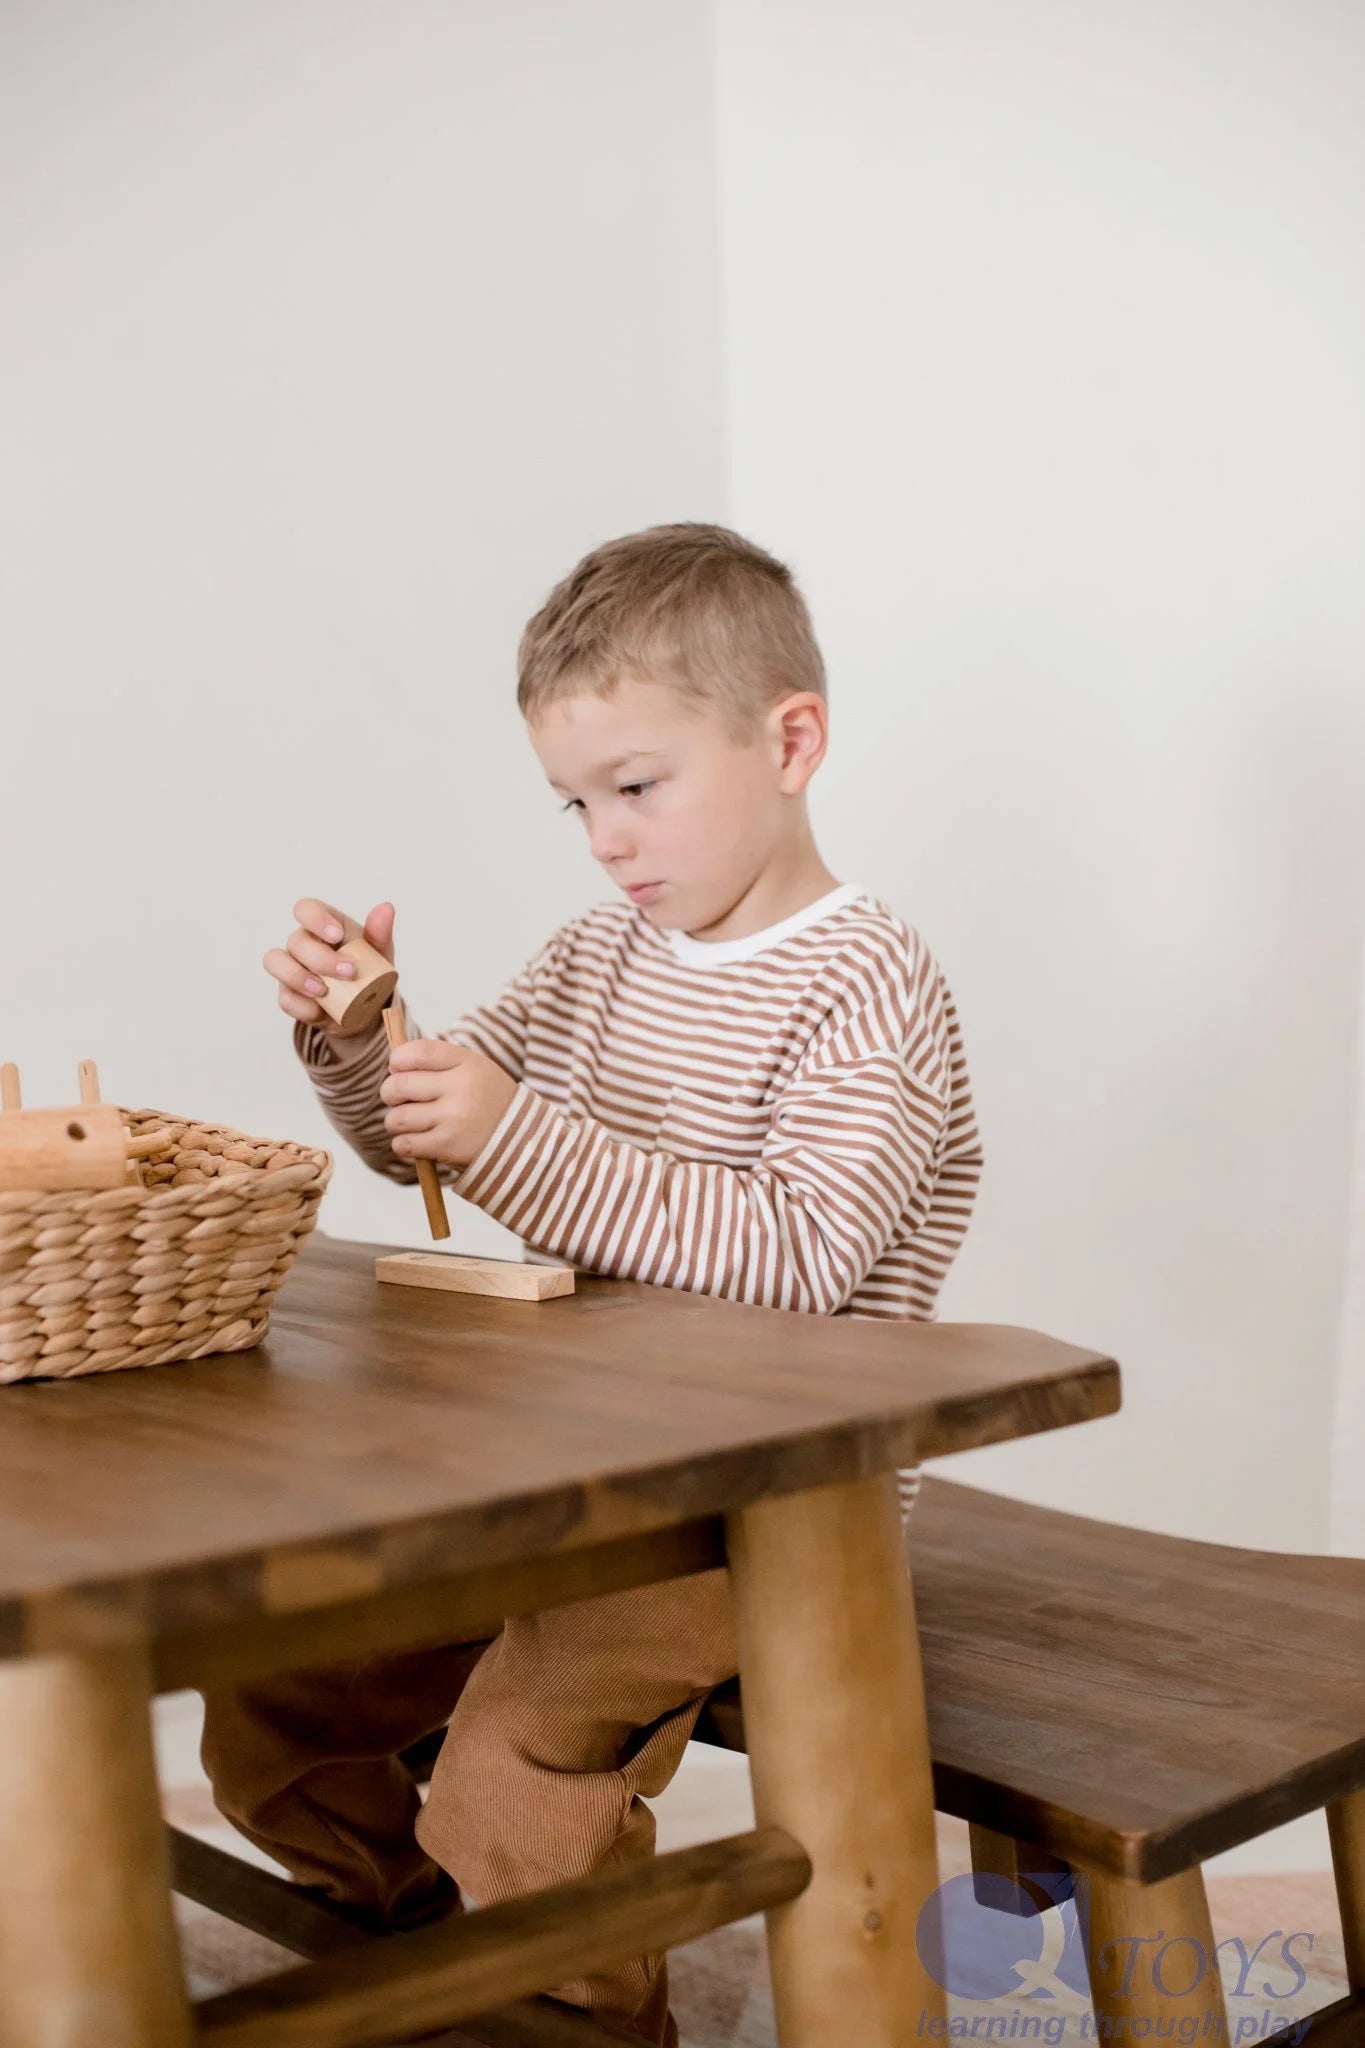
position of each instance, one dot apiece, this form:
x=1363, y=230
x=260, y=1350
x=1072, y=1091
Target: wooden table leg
x=1346, y=1832
x=88, y=1950
x=833, y=1697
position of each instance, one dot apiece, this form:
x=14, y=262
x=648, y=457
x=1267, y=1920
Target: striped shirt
x=783, y=1119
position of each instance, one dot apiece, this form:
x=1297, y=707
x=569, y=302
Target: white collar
x=699, y=953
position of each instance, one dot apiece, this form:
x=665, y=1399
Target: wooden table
x=394, y=1467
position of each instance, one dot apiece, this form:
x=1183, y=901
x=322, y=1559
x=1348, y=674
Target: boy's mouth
x=641, y=892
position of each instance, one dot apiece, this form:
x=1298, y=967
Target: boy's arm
x=861, y=1125
x=348, y=1073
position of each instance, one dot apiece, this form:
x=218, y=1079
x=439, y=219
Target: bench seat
x=1126, y=1702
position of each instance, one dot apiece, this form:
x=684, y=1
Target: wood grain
x=452, y=1608
x=385, y=1437
x=86, y=1935
x=1151, y=1959
x=1128, y=1702
x=820, y=1586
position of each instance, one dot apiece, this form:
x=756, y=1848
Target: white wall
x=1348, y=1424
x=1043, y=329
x=333, y=334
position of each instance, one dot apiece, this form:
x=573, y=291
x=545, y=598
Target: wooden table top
x=417, y=1432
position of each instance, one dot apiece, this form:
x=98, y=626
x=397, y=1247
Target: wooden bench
x=1122, y=1707
x=1110, y=1703
x=1127, y=1705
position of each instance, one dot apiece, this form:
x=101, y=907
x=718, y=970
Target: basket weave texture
x=186, y=1264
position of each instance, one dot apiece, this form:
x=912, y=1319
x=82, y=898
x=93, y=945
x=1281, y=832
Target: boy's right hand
x=310, y=952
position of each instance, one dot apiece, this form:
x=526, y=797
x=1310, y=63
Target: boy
x=745, y=1079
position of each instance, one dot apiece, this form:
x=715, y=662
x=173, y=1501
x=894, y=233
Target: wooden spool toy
x=356, y=1004
x=452, y=1272
x=49, y=1151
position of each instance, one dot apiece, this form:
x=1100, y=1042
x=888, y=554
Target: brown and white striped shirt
x=783, y=1119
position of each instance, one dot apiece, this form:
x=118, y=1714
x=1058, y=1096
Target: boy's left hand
x=445, y=1101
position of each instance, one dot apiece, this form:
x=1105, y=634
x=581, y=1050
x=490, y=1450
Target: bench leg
x=88, y=1952
x=1150, y=1953
x=1346, y=1832
x=833, y=1699
x=1020, y=1864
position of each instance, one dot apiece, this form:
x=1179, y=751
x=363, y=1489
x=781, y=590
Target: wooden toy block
x=48, y=1151
x=357, y=1003
x=507, y=1278
x=51, y=1149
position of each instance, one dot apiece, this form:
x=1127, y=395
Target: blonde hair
x=695, y=606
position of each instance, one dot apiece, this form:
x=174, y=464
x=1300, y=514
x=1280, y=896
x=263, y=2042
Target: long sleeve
x=348, y=1073
x=853, y=1144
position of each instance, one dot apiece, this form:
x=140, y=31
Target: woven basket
x=185, y=1264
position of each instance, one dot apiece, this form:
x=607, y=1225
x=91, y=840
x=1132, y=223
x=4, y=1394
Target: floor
x=1278, y=1926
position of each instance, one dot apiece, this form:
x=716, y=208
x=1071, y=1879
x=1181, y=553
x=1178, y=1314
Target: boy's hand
x=309, y=953
x=446, y=1101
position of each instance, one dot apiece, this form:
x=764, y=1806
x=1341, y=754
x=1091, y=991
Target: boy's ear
x=800, y=725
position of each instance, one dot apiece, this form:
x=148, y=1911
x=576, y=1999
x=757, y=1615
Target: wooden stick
x=396, y=1026
x=10, y=1095
x=472, y=1963
x=88, y=1077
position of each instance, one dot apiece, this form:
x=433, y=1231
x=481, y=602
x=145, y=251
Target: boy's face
x=681, y=815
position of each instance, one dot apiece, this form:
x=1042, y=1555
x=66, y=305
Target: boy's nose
x=609, y=845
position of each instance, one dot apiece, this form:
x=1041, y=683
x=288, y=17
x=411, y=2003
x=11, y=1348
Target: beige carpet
x=719, y=1984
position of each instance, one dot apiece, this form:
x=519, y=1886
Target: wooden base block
x=508, y=1278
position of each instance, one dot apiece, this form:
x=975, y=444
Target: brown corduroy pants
x=560, y=1727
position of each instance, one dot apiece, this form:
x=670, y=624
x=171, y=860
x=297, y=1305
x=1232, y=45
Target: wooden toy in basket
x=130, y=1237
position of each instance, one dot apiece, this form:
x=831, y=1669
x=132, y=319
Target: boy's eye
x=627, y=789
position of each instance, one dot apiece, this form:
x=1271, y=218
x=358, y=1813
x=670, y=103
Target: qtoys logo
x=991, y=1948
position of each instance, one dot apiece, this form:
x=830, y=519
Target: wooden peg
x=427, y=1179
x=11, y=1097
x=354, y=1004
x=88, y=1080
x=148, y=1145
